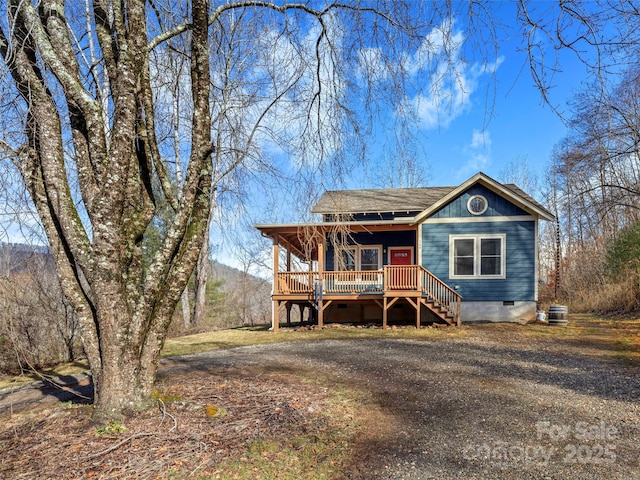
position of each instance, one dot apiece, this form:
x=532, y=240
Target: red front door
x=401, y=256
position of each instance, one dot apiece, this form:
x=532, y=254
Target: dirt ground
x=492, y=403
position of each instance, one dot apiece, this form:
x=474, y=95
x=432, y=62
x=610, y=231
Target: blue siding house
x=434, y=254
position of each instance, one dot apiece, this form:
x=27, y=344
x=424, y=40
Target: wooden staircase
x=433, y=293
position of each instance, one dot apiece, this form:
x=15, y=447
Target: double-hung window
x=477, y=256
x=367, y=257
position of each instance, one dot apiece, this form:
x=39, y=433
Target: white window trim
x=357, y=249
x=476, y=257
x=471, y=199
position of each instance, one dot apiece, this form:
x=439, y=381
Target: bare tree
x=519, y=173
x=603, y=34
x=91, y=144
x=36, y=322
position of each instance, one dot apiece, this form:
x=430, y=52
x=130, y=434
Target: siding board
x=519, y=284
x=497, y=205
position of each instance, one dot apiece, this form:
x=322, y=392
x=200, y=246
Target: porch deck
x=385, y=287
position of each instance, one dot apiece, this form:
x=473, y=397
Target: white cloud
x=480, y=139
x=447, y=81
x=477, y=153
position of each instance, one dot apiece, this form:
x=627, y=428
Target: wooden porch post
x=275, y=320
x=320, y=314
x=321, y=305
x=321, y=257
x=418, y=303
x=384, y=313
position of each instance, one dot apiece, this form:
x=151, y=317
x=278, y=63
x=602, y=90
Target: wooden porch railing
x=416, y=277
x=332, y=282
x=440, y=293
x=408, y=278
x=296, y=282
x=370, y=281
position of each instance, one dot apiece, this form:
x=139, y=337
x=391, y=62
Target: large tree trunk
x=201, y=279
x=99, y=170
x=185, y=304
x=124, y=307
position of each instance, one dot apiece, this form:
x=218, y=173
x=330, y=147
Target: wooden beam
x=384, y=313
x=322, y=305
x=288, y=307
x=393, y=300
x=275, y=307
x=275, y=315
x=321, y=258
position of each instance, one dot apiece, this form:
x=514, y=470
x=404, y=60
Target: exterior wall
x=520, y=266
x=498, y=206
x=497, y=312
x=492, y=299
x=386, y=239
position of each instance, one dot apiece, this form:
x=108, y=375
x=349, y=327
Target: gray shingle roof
x=394, y=199
x=380, y=200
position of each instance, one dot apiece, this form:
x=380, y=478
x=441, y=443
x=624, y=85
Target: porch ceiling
x=303, y=239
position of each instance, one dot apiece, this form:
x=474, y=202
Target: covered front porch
x=300, y=276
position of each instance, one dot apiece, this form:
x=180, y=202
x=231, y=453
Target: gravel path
x=472, y=408
x=488, y=405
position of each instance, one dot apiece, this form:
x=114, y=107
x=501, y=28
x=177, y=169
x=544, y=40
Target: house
x=446, y=254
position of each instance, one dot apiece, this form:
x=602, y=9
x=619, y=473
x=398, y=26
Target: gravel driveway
x=473, y=408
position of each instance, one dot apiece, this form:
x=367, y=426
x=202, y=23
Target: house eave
x=491, y=184
x=409, y=221
x=293, y=234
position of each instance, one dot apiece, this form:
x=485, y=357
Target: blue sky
x=463, y=141
x=503, y=118
x=522, y=125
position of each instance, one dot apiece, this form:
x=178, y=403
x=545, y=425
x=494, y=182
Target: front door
x=400, y=255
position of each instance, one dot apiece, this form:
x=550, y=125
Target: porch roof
x=303, y=238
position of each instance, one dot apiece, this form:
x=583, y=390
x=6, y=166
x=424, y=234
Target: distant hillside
x=15, y=258
x=248, y=298
x=18, y=258
x=221, y=271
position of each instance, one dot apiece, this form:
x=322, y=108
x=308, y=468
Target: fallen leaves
x=61, y=443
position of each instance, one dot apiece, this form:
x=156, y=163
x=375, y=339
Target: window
x=477, y=205
x=477, y=256
x=360, y=258
x=369, y=258
x=348, y=257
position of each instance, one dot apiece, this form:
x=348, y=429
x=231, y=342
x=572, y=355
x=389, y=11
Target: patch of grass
x=215, y=412
x=112, y=428
x=166, y=398
x=608, y=337
x=307, y=456
x=69, y=368
x=245, y=336
x=319, y=453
